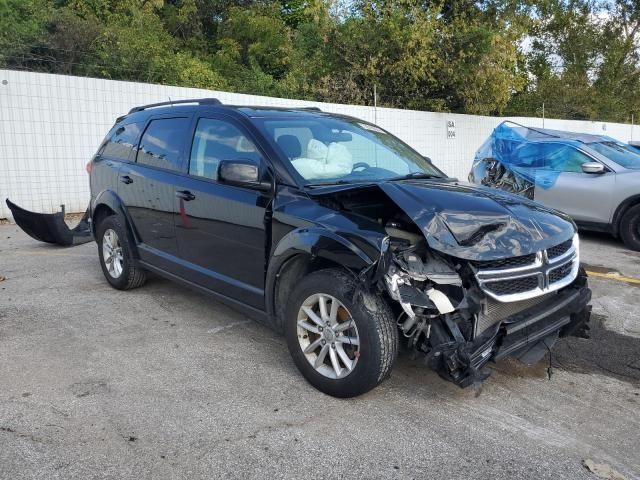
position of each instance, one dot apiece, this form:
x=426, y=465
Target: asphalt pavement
x=162, y=382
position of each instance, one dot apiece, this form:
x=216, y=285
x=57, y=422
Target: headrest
x=290, y=145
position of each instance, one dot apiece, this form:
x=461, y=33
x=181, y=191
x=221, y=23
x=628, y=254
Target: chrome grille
x=506, y=262
x=546, y=271
x=558, y=250
x=517, y=285
x=559, y=273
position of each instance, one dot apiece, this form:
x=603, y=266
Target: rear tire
x=116, y=257
x=360, y=339
x=630, y=228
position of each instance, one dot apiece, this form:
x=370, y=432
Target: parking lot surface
x=161, y=382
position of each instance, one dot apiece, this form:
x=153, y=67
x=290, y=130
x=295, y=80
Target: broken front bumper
x=51, y=227
x=567, y=314
x=527, y=335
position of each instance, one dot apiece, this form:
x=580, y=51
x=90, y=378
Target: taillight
x=89, y=167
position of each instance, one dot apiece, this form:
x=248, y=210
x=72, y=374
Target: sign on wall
x=451, y=130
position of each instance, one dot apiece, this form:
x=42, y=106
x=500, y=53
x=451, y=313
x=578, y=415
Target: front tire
x=116, y=256
x=630, y=228
x=342, y=339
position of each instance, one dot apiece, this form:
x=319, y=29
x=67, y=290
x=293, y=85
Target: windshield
x=325, y=150
x=622, y=155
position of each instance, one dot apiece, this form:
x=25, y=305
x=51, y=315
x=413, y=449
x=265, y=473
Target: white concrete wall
x=50, y=125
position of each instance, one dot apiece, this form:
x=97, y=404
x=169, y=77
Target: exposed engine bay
x=461, y=314
x=491, y=173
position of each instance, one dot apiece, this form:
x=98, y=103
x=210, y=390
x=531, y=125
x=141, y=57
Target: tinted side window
x=163, y=142
x=217, y=140
x=564, y=158
x=122, y=142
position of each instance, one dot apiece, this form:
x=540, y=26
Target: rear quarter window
x=122, y=142
x=163, y=143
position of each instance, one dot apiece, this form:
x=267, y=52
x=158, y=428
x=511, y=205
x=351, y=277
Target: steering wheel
x=362, y=165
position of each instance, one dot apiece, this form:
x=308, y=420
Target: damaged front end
x=490, y=172
x=473, y=275
x=462, y=314
x=51, y=227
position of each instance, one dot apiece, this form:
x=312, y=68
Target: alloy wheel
x=112, y=253
x=328, y=336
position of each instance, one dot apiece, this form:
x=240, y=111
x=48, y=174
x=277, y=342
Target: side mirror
x=592, y=167
x=242, y=173
x=428, y=159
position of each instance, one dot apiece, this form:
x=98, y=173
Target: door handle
x=185, y=195
x=126, y=179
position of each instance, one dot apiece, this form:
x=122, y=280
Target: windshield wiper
x=415, y=175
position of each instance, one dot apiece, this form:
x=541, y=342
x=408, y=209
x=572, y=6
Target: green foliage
x=578, y=57
x=583, y=62
x=258, y=37
x=21, y=25
x=184, y=69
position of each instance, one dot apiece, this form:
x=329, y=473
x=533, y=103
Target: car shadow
x=606, y=353
x=602, y=238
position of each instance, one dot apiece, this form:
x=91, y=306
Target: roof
x=179, y=106
x=534, y=134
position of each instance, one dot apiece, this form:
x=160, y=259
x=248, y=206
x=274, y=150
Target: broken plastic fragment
x=441, y=301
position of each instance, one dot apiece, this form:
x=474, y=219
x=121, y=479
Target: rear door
x=119, y=147
x=585, y=197
x=220, y=228
x=147, y=187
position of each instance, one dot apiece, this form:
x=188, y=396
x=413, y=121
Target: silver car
x=595, y=179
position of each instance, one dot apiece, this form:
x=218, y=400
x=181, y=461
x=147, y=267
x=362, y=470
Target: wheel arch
x=301, y=252
x=621, y=210
x=109, y=203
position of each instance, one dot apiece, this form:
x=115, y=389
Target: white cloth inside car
x=322, y=161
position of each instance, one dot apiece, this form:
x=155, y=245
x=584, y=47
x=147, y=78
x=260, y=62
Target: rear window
x=163, y=143
x=122, y=142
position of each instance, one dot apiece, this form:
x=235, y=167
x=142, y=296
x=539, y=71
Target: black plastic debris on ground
x=51, y=227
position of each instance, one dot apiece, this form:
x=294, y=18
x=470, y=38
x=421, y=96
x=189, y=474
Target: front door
x=585, y=197
x=220, y=228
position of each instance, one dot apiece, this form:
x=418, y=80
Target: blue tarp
x=522, y=159
x=518, y=149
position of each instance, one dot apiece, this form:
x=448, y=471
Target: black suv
x=337, y=234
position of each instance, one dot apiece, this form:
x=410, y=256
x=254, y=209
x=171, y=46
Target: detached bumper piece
x=51, y=227
x=528, y=336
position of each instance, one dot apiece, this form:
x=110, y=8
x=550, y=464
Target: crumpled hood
x=478, y=223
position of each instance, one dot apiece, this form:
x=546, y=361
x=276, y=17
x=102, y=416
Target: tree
x=578, y=57
x=583, y=62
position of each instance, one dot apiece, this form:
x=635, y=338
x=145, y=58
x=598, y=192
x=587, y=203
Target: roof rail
x=199, y=101
x=313, y=109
